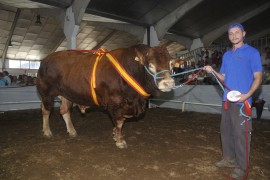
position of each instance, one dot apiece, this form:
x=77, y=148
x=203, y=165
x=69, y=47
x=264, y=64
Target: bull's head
x=157, y=63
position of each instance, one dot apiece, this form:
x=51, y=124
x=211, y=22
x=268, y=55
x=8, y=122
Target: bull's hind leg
x=46, y=125
x=117, y=133
x=65, y=107
x=47, y=97
x=47, y=103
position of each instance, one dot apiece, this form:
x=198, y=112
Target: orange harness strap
x=119, y=68
x=92, y=78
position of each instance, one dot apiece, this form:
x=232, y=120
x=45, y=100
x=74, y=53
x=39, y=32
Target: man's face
x=236, y=35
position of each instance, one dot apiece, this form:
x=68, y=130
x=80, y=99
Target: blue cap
x=236, y=25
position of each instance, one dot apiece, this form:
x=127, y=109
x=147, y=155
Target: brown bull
x=68, y=74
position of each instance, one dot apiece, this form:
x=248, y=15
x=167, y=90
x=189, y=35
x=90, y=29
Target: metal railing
x=56, y=102
x=183, y=103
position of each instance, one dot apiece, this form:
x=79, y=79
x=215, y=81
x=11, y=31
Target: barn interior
x=178, y=138
x=32, y=29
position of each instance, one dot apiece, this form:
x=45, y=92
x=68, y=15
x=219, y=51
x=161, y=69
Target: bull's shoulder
x=68, y=56
x=140, y=47
x=61, y=54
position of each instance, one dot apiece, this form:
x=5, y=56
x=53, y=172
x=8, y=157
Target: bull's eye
x=152, y=68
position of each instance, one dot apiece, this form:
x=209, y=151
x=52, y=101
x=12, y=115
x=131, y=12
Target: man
x=258, y=102
x=3, y=82
x=265, y=57
x=241, y=70
x=7, y=78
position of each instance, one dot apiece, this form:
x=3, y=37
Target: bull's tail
x=46, y=97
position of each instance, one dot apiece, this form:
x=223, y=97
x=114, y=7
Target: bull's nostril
x=168, y=84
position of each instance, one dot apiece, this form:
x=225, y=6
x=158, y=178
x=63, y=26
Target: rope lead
x=243, y=104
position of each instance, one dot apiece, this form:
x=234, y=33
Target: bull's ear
x=164, y=46
x=174, y=63
x=139, y=56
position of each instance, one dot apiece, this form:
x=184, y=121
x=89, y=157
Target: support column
x=150, y=36
x=196, y=43
x=70, y=29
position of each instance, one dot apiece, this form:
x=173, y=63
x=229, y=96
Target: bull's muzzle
x=166, y=84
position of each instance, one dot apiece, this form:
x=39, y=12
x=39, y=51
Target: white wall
x=208, y=98
x=202, y=98
x=20, y=98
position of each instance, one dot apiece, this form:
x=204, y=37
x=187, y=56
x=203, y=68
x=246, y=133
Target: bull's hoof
x=47, y=134
x=121, y=145
x=114, y=138
x=73, y=134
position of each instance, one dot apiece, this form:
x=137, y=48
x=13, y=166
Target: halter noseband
x=155, y=76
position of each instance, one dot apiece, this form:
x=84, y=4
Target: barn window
x=34, y=64
x=14, y=64
x=22, y=64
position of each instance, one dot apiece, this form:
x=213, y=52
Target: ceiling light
x=38, y=22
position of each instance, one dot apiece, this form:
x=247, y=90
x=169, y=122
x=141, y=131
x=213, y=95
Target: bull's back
x=65, y=73
x=68, y=73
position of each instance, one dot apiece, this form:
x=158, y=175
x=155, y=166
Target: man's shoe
x=225, y=163
x=238, y=173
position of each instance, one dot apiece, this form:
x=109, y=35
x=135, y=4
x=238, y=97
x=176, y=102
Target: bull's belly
x=128, y=116
x=130, y=113
x=134, y=109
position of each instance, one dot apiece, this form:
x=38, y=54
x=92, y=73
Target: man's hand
x=208, y=69
x=243, y=97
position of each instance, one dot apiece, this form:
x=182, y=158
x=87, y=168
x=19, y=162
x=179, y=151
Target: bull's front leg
x=117, y=133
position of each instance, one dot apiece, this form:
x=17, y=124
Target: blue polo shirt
x=239, y=67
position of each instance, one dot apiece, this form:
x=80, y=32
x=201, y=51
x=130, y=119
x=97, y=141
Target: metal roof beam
x=79, y=7
x=179, y=39
x=263, y=33
x=135, y=30
x=56, y=3
x=70, y=19
x=105, y=39
x=208, y=38
x=163, y=25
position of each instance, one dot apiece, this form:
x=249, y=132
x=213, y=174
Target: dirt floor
x=165, y=144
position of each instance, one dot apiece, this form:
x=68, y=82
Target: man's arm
x=256, y=83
